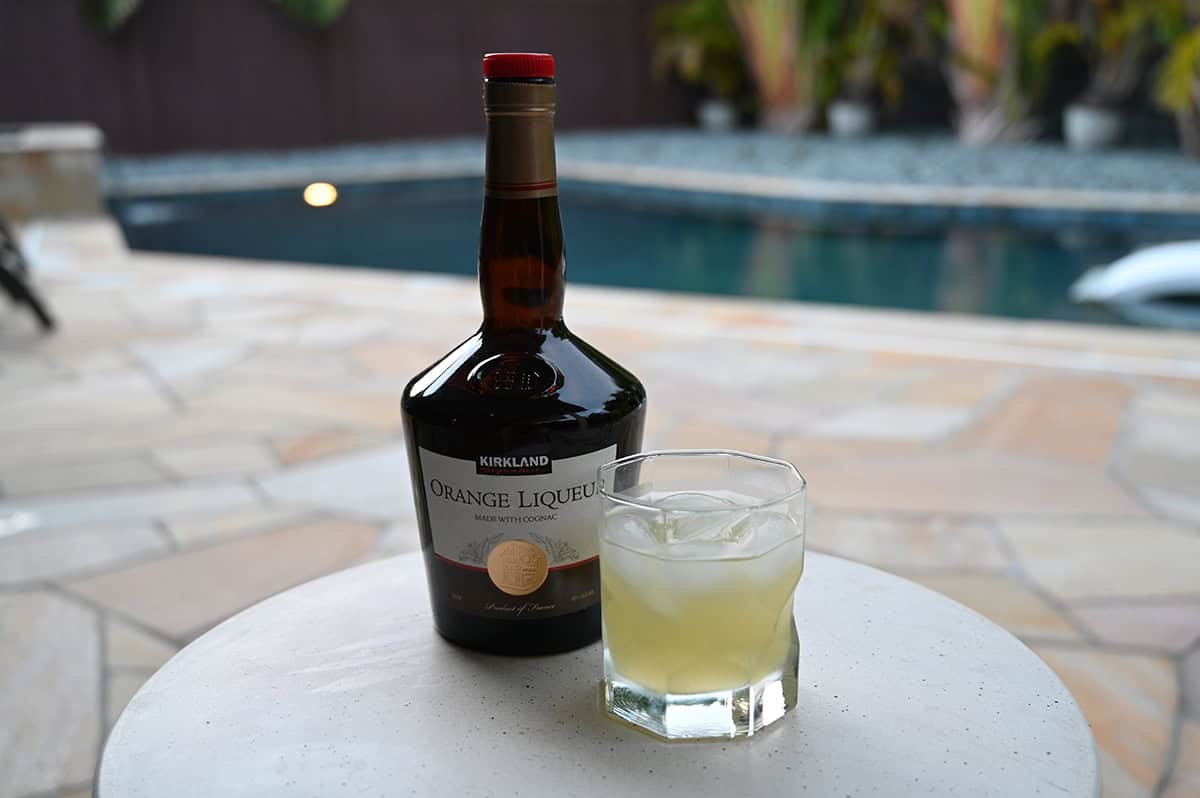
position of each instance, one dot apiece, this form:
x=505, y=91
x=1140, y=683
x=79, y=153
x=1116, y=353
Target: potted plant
x=862, y=61
x=783, y=43
x=994, y=72
x=1114, y=37
x=865, y=61
x=975, y=37
x=1177, y=88
x=697, y=42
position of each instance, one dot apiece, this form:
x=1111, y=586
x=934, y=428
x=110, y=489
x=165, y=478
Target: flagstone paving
x=204, y=432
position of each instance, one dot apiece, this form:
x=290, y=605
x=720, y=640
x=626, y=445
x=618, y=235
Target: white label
x=475, y=504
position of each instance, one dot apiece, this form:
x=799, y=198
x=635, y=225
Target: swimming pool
x=913, y=258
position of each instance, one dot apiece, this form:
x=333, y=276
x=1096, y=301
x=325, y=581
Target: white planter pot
x=851, y=119
x=1088, y=127
x=716, y=115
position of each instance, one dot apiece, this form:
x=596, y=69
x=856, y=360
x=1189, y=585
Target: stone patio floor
x=203, y=433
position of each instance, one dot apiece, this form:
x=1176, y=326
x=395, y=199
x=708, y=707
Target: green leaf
x=109, y=16
x=696, y=40
x=313, y=13
x=938, y=20
x=1053, y=36
x=1171, y=19
x=1176, y=87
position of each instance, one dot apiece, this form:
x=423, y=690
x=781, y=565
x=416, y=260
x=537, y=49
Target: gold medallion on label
x=517, y=567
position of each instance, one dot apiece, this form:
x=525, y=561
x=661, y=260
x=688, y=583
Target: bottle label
x=518, y=518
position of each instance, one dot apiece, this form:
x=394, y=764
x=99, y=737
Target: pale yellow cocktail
x=717, y=622
x=696, y=591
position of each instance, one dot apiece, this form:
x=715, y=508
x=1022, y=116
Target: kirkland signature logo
x=505, y=465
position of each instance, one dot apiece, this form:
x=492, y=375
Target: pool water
x=673, y=242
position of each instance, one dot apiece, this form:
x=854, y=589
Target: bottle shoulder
x=524, y=375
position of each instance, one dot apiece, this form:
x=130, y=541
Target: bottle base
x=718, y=715
x=519, y=638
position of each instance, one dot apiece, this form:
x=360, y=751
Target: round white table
x=342, y=687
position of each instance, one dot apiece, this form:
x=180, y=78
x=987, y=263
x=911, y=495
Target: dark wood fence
x=237, y=74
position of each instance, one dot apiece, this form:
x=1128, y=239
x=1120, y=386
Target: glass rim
x=613, y=465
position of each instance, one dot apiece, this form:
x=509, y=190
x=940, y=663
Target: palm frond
x=110, y=16
x=1179, y=77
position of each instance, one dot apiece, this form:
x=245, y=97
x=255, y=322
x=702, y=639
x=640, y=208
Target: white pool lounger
x=1139, y=286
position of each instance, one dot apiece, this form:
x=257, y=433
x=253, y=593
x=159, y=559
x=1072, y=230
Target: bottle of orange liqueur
x=506, y=432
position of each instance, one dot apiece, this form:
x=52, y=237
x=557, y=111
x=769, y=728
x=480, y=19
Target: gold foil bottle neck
x=520, y=140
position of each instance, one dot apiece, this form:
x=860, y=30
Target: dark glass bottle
x=506, y=432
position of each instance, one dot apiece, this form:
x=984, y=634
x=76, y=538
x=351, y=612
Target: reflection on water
x=615, y=240
x=963, y=281
x=769, y=268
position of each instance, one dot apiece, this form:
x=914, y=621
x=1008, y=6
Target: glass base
x=702, y=716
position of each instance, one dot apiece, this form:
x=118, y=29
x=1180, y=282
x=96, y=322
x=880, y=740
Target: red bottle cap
x=518, y=65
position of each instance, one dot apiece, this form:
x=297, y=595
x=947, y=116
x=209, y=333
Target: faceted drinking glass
x=700, y=554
